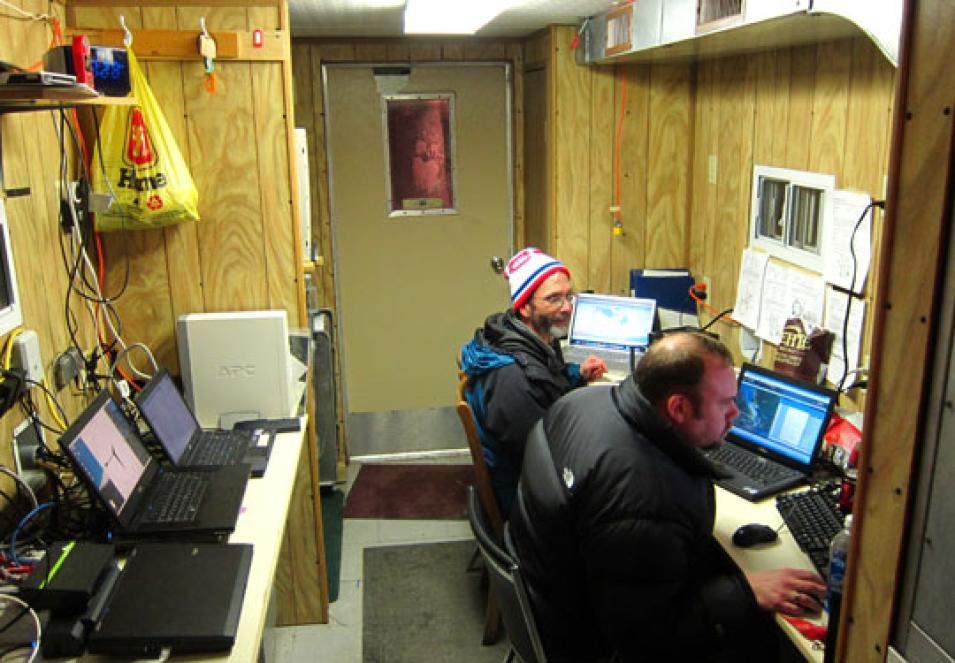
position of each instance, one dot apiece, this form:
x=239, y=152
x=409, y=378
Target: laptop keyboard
x=814, y=518
x=216, y=448
x=760, y=470
x=176, y=498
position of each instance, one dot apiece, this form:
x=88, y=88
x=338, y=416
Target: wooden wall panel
x=668, y=176
x=829, y=105
x=603, y=101
x=571, y=163
x=704, y=165
x=918, y=213
x=629, y=248
x=31, y=159
x=536, y=160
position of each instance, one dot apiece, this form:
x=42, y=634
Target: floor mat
x=421, y=604
x=422, y=491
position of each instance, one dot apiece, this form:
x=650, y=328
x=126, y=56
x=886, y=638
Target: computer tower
x=323, y=386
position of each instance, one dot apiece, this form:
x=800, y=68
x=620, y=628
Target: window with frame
x=789, y=213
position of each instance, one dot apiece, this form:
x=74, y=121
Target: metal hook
x=127, y=36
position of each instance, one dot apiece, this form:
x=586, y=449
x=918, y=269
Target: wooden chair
x=485, y=491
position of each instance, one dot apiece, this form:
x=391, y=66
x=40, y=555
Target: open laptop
x=183, y=596
x=146, y=501
x=608, y=327
x=777, y=435
x=186, y=444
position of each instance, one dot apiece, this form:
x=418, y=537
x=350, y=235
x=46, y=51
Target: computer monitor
x=10, y=314
x=781, y=413
x=611, y=322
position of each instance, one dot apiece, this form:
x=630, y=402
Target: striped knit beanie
x=527, y=270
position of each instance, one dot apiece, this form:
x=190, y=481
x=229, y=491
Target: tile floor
x=339, y=641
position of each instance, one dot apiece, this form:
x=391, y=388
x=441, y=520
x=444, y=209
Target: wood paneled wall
x=690, y=136
x=30, y=159
x=823, y=108
x=241, y=254
x=308, y=55
x=584, y=139
x=244, y=253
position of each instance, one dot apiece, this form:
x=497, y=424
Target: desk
x=262, y=523
x=733, y=511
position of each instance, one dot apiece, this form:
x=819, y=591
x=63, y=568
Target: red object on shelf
x=257, y=38
x=82, y=60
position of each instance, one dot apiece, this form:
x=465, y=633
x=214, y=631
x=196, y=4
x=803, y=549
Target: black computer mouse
x=753, y=534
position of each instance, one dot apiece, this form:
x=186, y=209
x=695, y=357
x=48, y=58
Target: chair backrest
x=507, y=584
x=482, y=477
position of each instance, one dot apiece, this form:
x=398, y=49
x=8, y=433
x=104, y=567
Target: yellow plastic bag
x=148, y=177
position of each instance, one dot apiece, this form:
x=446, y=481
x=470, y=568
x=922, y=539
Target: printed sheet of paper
x=847, y=206
x=835, y=318
x=789, y=293
x=749, y=288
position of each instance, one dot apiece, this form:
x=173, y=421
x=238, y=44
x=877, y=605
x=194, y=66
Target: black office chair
x=507, y=584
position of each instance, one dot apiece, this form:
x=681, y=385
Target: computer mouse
x=754, y=534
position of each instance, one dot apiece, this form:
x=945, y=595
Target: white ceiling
x=375, y=18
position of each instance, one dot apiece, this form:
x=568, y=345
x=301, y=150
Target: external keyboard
x=814, y=518
x=176, y=497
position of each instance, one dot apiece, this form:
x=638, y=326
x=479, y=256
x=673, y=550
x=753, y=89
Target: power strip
x=26, y=356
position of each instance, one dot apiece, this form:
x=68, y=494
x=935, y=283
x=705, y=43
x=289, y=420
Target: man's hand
x=592, y=368
x=789, y=591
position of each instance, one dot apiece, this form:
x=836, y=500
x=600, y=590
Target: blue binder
x=670, y=287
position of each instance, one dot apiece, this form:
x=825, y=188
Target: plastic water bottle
x=838, y=555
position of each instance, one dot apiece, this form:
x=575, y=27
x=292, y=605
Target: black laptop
x=189, y=446
x=181, y=596
x=145, y=500
x=776, y=437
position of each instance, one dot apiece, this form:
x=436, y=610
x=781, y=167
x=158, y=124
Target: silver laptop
x=610, y=327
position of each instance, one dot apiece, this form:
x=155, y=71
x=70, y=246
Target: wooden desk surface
x=262, y=523
x=733, y=511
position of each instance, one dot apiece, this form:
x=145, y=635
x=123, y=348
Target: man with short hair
x=515, y=367
x=613, y=521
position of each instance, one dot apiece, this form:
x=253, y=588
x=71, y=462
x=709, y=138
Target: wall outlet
x=67, y=367
x=26, y=356
x=27, y=439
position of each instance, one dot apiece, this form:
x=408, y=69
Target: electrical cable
x=23, y=522
x=851, y=292
x=20, y=483
x=35, y=645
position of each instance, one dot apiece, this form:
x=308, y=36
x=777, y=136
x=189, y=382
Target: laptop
x=609, y=327
x=146, y=501
x=186, y=444
x=777, y=436
x=182, y=596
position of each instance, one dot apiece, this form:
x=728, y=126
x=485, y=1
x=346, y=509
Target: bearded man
x=515, y=367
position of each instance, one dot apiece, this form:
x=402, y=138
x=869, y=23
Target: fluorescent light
x=451, y=17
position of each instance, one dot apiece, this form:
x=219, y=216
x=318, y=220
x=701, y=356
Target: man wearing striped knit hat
x=515, y=367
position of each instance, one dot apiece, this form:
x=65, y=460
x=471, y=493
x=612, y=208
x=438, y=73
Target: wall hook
x=127, y=35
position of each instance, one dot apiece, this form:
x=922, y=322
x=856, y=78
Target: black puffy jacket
x=613, y=525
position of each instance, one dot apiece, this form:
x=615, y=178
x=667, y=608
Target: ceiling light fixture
x=451, y=17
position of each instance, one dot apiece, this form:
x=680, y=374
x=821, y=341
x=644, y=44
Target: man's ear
x=678, y=407
x=524, y=311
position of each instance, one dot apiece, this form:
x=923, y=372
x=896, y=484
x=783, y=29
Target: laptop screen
x=781, y=414
x=167, y=414
x=105, y=448
x=607, y=321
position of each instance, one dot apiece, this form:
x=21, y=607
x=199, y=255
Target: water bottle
x=838, y=555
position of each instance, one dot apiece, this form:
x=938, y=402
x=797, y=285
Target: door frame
x=508, y=68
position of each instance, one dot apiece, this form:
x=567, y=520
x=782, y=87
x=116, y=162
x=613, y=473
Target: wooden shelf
x=20, y=99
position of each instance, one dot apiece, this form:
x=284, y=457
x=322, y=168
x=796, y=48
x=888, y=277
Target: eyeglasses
x=558, y=300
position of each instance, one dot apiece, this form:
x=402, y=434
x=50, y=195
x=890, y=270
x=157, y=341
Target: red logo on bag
x=154, y=202
x=139, y=148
